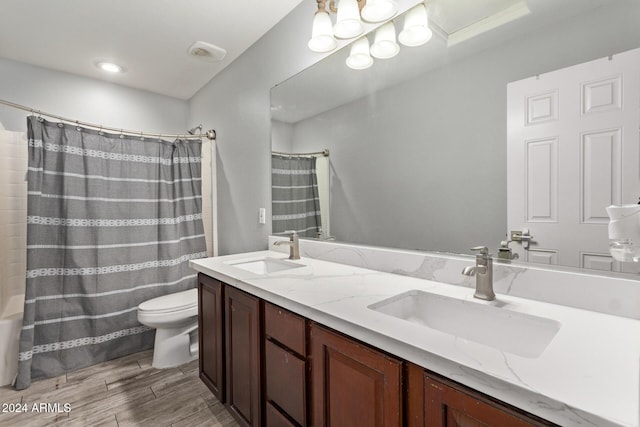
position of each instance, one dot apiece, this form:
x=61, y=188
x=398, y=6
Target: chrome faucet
x=483, y=270
x=294, y=247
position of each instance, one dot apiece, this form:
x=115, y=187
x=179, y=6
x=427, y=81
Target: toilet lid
x=171, y=302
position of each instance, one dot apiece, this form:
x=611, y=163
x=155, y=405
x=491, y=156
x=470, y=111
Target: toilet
x=175, y=318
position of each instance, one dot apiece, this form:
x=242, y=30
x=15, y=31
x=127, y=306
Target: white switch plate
x=262, y=216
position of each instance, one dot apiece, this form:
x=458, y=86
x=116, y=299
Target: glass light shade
x=359, y=57
x=321, y=34
x=416, y=29
x=384, y=45
x=348, y=23
x=379, y=10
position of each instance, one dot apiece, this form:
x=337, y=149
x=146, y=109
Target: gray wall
x=422, y=165
x=237, y=103
x=281, y=136
x=85, y=99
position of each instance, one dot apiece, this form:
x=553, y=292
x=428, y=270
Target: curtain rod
x=210, y=134
x=324, y=153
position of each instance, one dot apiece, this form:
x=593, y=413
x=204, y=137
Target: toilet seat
x=172, y=303
x=167, y=318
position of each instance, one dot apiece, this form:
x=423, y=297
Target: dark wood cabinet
x=352, y=384
x=211, y=334
x=273, y=367
x=285, y=367
x=243, y=356
x=433, y=401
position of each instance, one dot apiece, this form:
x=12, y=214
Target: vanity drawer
x=276, y=419
x=285, y=327
x=285, y=381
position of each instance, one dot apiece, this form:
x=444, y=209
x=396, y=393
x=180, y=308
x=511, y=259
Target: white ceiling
x=150, y=38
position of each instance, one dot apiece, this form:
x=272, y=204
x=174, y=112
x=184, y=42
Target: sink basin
x=264, y=265
x=494, y=326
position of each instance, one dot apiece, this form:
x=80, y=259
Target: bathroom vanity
x=312, y=342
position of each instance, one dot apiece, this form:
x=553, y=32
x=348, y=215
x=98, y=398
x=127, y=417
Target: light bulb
x=321, y=34
x=359, y=57
x=416, y=29
x=384, y=45
x=379, y=10
x=348, y=23
x=110, y=67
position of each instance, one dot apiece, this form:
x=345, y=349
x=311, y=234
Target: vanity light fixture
x=109, y=67
x=416, y=31
x=350, y=14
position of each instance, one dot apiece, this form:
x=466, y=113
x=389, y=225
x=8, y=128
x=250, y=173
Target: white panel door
x=572, y=150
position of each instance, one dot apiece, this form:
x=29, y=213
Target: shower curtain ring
x=121, y=134
x=78, y=128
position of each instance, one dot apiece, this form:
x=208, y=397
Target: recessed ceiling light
x=110, y=67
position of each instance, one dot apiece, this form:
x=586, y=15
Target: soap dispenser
x=624, y=232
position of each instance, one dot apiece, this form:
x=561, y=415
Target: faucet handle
x=482, y=249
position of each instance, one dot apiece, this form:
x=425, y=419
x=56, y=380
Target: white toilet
x=175, y=318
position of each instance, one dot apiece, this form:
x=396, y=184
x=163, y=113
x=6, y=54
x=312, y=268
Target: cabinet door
x=451, y=405
x=211, y=334
x=285, y=382
x=242, y=313
x=352, y=384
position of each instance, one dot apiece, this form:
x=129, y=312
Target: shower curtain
x=294, y=193
x=112, y=221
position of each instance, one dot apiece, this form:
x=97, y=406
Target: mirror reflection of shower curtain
x=295, y=200
x=112, y=222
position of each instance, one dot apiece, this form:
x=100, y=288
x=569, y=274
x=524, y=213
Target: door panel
x=243, y=356
x=572, y=150
x=352, y=384
x=211, y=334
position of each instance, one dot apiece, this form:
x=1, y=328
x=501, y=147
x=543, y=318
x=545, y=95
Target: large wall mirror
x=418, y=143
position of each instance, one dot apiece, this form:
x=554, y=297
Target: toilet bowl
x=175, y=318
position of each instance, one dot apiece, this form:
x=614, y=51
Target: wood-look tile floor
x=121, y=392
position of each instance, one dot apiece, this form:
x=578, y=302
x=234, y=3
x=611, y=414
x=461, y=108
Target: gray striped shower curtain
x=112, y=221
x=294, y=192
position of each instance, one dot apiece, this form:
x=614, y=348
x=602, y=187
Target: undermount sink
x=491, y=325
x=263, y=265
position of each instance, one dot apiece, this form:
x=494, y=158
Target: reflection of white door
x=324, y=190
x=572, y=150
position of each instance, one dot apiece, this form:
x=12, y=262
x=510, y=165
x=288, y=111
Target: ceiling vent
x=207, y=51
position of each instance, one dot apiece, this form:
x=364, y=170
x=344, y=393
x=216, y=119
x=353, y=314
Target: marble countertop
x=589, y=374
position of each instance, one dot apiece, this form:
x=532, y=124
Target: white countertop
x=589, y=375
